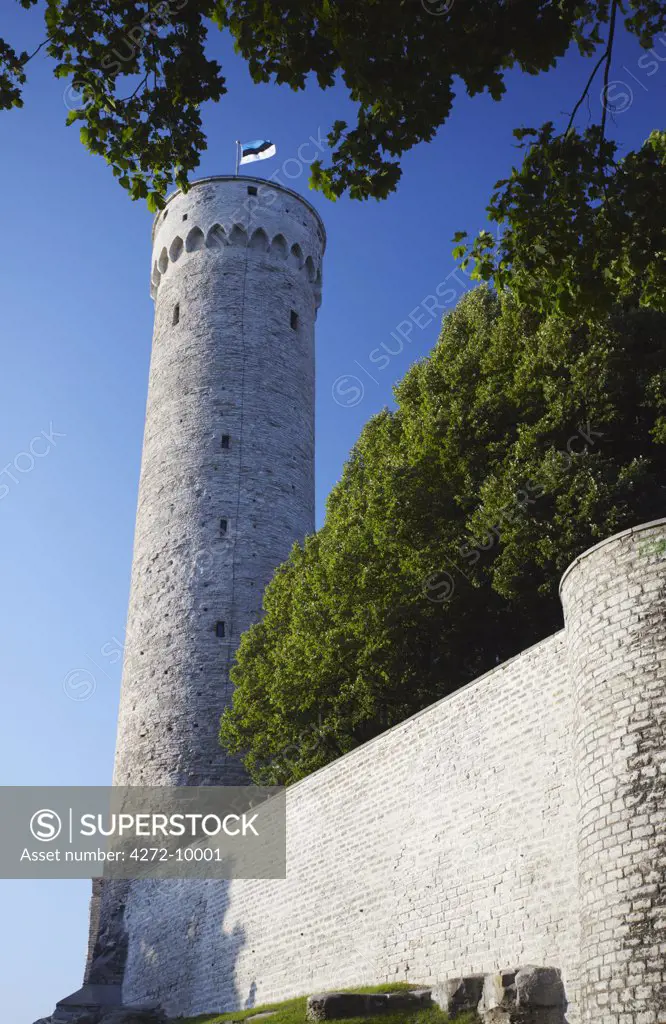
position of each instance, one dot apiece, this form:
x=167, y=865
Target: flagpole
x=237, y=156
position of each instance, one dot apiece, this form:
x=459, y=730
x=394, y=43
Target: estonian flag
x=260, y=149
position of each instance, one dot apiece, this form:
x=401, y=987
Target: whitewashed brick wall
x=446, y=846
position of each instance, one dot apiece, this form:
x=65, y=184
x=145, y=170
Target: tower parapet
x=248, y=212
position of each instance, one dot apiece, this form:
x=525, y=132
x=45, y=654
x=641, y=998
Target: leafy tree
x=519, y=442
x=583, y=230
x=143, y=75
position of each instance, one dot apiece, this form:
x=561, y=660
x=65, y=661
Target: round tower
x=613, y=597
x=227, y=473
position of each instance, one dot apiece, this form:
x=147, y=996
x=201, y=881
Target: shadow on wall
x=201, y=906
x=251, y=996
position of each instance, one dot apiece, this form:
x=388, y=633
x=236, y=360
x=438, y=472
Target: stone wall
x=444, y=847
x=451, y=844
x=520, y=820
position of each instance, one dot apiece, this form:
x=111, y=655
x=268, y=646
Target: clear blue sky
x=77, y=318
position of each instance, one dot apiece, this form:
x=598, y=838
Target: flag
x=260, y=149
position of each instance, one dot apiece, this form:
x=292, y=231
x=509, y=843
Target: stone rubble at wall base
x=529, y=995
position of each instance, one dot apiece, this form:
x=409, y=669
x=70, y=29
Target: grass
x=293, y=1012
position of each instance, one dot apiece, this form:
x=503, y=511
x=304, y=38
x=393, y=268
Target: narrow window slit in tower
x=219, y=629
x=252, y=190
x=224, y=526
x=176, y=314
x=184, y=216
x=294, y=319
x=226, y=441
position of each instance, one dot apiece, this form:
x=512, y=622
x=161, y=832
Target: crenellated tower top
x=247, y=213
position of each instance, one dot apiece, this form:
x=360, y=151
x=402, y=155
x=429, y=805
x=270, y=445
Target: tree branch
x=34, y=53
x=139, y=86
x=609, y=56
x=603, y=57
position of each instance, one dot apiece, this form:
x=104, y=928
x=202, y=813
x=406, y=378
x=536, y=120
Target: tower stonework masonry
x=227, y=474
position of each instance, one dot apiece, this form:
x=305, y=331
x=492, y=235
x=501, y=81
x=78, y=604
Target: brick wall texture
x=444, y=847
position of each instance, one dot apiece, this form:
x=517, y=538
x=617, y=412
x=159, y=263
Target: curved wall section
x=614, y=600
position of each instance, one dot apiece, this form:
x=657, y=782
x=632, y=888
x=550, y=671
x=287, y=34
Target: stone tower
x=227, y=475
x=227, y=487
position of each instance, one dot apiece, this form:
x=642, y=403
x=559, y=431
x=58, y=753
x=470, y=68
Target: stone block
x=416, y=999
x=498, y=993
x=134, y=1015
x=539, y=987
x=87, y=1004
x=530, y=995
x=338, y=1005
x=335, y=1006
x=76, y=1015
x=463, y=994
x=376, y=1002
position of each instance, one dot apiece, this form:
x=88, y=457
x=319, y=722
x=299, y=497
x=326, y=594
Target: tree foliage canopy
x=518, y=443
x=142, y=72
x=582, y=230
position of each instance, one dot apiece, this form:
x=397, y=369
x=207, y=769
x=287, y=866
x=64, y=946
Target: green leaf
x=155, y=202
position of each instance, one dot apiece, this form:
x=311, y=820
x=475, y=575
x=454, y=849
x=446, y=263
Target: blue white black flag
x=259, y=149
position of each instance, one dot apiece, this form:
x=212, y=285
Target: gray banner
x=142, y=832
